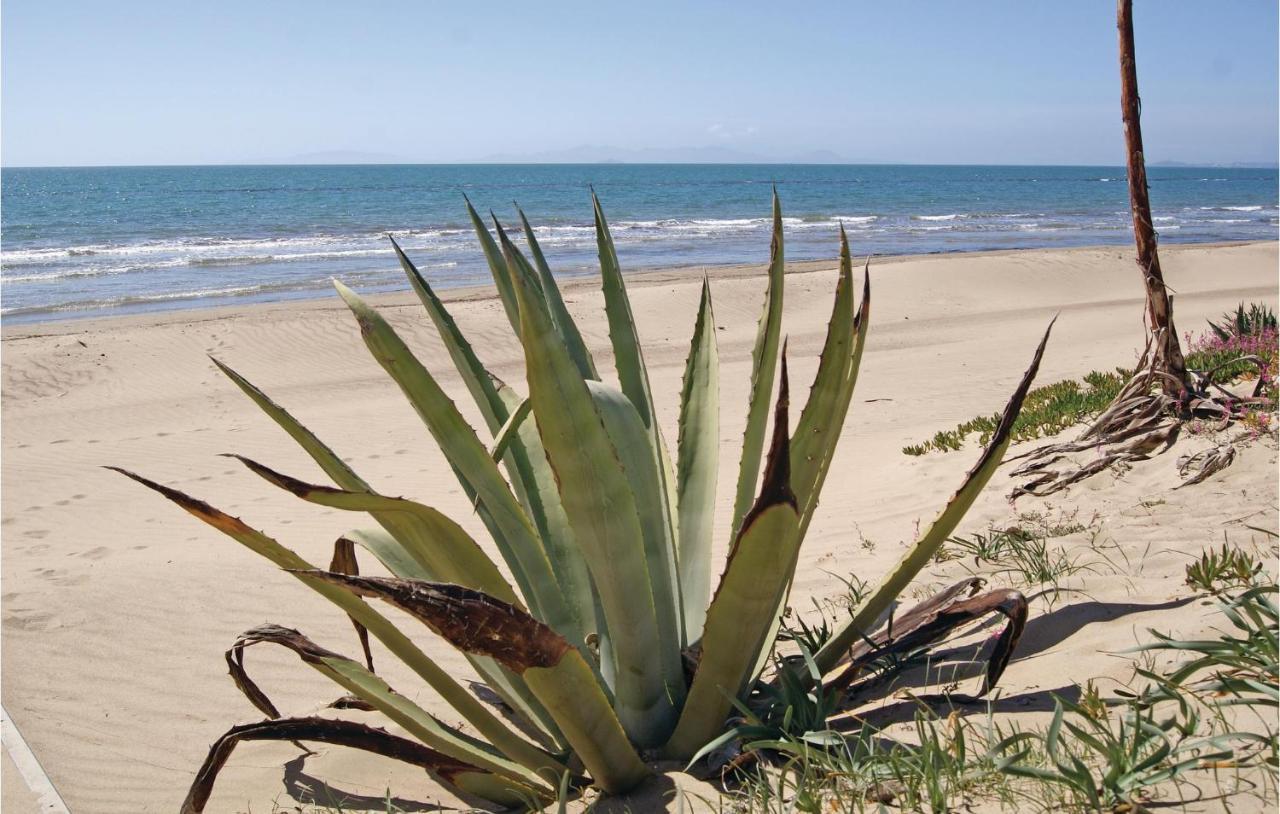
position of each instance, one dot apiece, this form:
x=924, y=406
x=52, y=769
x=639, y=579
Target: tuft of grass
x=941, y=767
x=1025, y=551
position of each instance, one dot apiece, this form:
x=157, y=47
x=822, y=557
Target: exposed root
x=1143, y=420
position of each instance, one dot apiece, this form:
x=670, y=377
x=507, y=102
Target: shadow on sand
x=310, y=790
x=1042, y=633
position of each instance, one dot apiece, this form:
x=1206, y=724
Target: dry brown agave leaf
x=321, y=730
x=470, y=620
x=295, y=641
x=1195, y=468
x=937, y=617
x=344, y=562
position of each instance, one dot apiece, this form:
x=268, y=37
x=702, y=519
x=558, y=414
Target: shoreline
x=650, y=275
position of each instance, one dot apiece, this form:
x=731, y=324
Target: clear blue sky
x=143, y=82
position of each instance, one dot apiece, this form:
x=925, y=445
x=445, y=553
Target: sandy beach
x=118, y=607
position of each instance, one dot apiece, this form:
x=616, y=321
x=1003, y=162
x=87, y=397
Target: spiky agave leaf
x=556, y=672
x=442, y=547
x=344, y=562
x=497, y=268
x=560, y=318
x=813, y=444
x=633, y=378
x=822, y=419
x=878, y=600
x=601, y=506
x=764, y=361
x=746, y=599
x=698, y=456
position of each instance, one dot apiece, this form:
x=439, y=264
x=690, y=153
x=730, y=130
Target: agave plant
x=1254, y=322
x=609, y=648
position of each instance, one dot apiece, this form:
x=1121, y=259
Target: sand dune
x=117, y=607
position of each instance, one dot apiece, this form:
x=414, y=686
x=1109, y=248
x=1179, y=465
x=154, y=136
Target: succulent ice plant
x=610, y=647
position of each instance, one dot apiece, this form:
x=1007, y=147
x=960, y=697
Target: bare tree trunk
x=1141, y=420
x=1167, y=353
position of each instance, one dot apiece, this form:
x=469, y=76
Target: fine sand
x=117, y=606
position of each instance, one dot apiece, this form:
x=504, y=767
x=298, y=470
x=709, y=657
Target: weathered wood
x=1168, y=352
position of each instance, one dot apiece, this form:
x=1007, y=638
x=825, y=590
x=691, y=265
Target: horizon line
x=1163, y=163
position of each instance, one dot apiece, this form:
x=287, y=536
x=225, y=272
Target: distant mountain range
x=603, y=154
x=606, y=154
x=1240, y=165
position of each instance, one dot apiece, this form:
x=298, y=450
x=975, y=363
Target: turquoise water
x=94, y=241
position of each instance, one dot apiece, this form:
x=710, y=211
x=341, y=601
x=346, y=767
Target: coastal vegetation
x=1242, y=348
x=1194, y=722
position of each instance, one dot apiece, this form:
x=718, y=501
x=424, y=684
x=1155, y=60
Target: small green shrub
x=1218, y=570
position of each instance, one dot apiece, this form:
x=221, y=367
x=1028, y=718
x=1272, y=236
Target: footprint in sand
x=57, y=576
x=96, y=553
x=36, y=534
x=28, y=620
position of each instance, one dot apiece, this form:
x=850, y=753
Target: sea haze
x=97, y=241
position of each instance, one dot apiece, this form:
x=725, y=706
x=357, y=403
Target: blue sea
x=97, y=241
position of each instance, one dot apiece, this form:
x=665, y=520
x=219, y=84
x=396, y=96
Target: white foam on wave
x=75, y=272
x=214, y=248
x=1231, y=208
x=953, y=216
x=90, y=271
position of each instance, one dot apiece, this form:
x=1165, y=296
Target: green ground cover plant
x=1241, y=348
